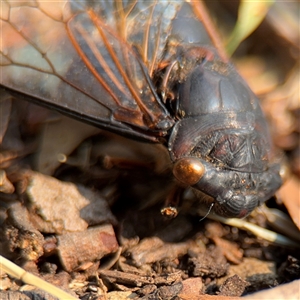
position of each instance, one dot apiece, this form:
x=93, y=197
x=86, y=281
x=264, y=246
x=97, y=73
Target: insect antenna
x=209, y=210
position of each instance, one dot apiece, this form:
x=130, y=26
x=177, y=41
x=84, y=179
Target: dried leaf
x=290, y=195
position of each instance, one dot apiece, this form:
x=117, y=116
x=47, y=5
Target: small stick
x=19, y=273
x=263, y=233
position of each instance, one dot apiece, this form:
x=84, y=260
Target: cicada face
x=147, y=70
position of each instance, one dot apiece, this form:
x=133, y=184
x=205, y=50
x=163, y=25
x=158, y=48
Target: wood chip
x=212, y=263
x=114, y=276
x=153, y=249
x=191, y=287
x=233, y=286
x=76, y=249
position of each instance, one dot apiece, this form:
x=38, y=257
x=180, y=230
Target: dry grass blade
x=250, y=15
x=19, y=273
x=263, y=233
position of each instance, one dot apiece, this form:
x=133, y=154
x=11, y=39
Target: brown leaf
x=290, y=195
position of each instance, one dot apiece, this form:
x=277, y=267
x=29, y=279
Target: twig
x=263, y=233
x=19, y=273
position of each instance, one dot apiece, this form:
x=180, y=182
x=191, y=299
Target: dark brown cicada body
x=148, y=70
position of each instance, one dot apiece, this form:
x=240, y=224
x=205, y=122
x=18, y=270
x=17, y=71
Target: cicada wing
x=82, y=61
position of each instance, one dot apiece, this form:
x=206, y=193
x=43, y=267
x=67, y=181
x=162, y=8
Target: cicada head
x=223, y=141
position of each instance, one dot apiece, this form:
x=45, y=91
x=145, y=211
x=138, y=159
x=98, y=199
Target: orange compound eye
x=188, y=170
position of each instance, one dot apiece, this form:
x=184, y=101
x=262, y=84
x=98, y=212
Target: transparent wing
x=92, y=61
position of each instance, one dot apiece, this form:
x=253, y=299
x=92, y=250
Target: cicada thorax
x=174, y=68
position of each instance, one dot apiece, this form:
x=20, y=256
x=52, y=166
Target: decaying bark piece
x=77, y=249
x=114, y=276
x=211, y=263
x=150, y=250
x=20, y=238
x=191, y=287
x=233, y=286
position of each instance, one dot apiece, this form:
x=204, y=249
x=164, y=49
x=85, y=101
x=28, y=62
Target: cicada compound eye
x=188, y=170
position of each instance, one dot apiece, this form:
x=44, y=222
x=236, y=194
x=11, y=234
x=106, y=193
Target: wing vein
x=146, y=36
x=101, y=60
x=136, y=97
x=90, y=66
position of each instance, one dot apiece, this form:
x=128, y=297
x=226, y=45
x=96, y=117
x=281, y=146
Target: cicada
x=151, y=71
